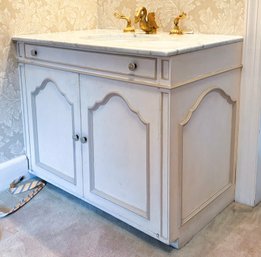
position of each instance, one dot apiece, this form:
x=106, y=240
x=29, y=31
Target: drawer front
x=119, y=64
x=189, y=67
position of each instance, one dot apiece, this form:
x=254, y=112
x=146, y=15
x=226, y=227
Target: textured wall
x=22, y=17
x=205, y=16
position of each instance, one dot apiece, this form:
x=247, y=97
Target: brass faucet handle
x=177, y=30
x=129, y=27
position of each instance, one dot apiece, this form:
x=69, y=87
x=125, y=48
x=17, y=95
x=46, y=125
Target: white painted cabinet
x=122, y=158
x=153, y=145
x=119, y=141
x=54, y=125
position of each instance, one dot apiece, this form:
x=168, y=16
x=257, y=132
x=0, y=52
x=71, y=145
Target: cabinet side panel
x=206, y=144
x=203, y=145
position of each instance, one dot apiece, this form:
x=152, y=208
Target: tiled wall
x=37, y=16
x=31, y=16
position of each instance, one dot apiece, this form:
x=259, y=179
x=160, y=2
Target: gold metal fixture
x=177, y=30
x=128, y=28
x=146, y=20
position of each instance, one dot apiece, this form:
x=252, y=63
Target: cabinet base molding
x=202, y=219
x=12, y=169
x=104, y=209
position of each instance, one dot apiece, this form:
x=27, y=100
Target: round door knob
x=132, y=66
x=34, y=52
x=84, y=140
x=76, y=137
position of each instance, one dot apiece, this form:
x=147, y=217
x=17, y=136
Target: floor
x=55, y=224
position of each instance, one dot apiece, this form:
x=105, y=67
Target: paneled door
x=54, y=126
x=121, y=158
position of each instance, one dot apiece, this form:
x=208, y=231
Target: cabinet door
x=54, y=124
x=122, y=173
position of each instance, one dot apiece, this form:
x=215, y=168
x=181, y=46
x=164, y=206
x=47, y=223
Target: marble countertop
x=115, y=41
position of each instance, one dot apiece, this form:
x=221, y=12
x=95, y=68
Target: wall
x=212, y=16
x=248, y=190
x=30, y=16
x=258, y=175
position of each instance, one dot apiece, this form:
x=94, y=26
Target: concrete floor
x=55, y=224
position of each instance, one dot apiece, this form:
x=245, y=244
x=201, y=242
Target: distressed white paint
x=206, y=161
x=122, y=159
x=248, y=166
x=135, y=157
x=203, y=129
x=54, y=119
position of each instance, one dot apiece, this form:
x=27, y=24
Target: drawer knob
x=34, y=52
x=76, y=137
x=132, y=66
x=84, y=140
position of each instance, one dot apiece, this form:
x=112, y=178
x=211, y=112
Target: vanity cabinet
x=148, y=136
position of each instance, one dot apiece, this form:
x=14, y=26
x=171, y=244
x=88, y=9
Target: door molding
x=144, y=213
x=249, y=127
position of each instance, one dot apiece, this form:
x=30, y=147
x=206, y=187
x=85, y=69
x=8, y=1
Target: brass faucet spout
x=146, y=20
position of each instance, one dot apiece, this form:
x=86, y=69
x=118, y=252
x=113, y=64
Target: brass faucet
x=146, y=21
x=128, y=27
x=177, y=30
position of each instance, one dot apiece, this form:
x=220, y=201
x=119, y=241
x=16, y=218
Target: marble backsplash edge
x=216, y=16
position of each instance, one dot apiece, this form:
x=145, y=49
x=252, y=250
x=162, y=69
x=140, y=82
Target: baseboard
x=11, y=170
x=198, y=222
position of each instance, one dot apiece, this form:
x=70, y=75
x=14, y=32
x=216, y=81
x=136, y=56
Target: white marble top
x=115, y=41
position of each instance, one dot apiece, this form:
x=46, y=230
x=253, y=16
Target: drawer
x=186, y=68
x=119, y=64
